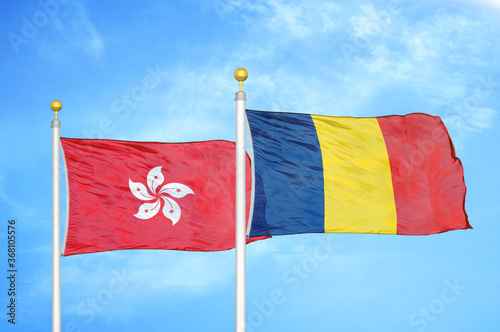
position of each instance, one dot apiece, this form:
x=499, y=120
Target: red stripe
x=427, y=177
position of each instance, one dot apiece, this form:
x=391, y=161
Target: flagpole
x=240, y=97
x=56, y=221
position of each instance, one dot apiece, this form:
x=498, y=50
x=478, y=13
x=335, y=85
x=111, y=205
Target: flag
x=387, y=175
x=148, y=195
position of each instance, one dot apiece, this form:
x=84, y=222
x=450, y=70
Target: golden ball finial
x=56, y=106
x=241, y=74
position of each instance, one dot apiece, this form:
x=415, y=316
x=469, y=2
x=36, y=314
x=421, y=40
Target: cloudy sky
x=163, y=71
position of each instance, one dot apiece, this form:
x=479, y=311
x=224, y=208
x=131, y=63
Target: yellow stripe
x=359, y=197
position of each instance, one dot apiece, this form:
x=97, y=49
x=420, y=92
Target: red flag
x=147, y=195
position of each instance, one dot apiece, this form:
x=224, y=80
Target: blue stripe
x=288, y=174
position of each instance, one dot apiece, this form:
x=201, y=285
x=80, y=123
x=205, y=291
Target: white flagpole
x=240, y=97
x=56, y=221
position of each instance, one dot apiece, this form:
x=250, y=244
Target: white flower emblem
x=171, y=210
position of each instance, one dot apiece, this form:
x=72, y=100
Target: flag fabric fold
x=148, y=195
x=386, y=175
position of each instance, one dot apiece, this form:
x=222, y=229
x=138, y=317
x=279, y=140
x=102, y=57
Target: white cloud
x=371, y=23
x=468, y=120
x=419, y=55
x=187, y=273
x=18, y=208
x=399, y=53
x=490, y=4
x=84, y=34
x=422, y=49
x=480, y=117
x=194, y=105
x=78, y=32
x=122, y=280
x=168, y=271
x=288, y=19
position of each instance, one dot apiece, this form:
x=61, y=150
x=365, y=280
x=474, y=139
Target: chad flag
x=322, y=174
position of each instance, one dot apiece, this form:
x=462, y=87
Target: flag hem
x=67, y=198
x=252, y=165
x=454, y=156
x=125, y=141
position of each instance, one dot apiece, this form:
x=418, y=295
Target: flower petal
x=171, y=210
x=148, y=210
x=176, y=190
x=139, y=190
x=155, y=178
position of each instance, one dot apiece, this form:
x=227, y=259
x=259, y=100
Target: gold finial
x=56, y=106
x=241, y=74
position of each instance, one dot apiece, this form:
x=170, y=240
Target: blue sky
x=354, y=58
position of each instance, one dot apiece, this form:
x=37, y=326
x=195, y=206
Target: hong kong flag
x=148, y=195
